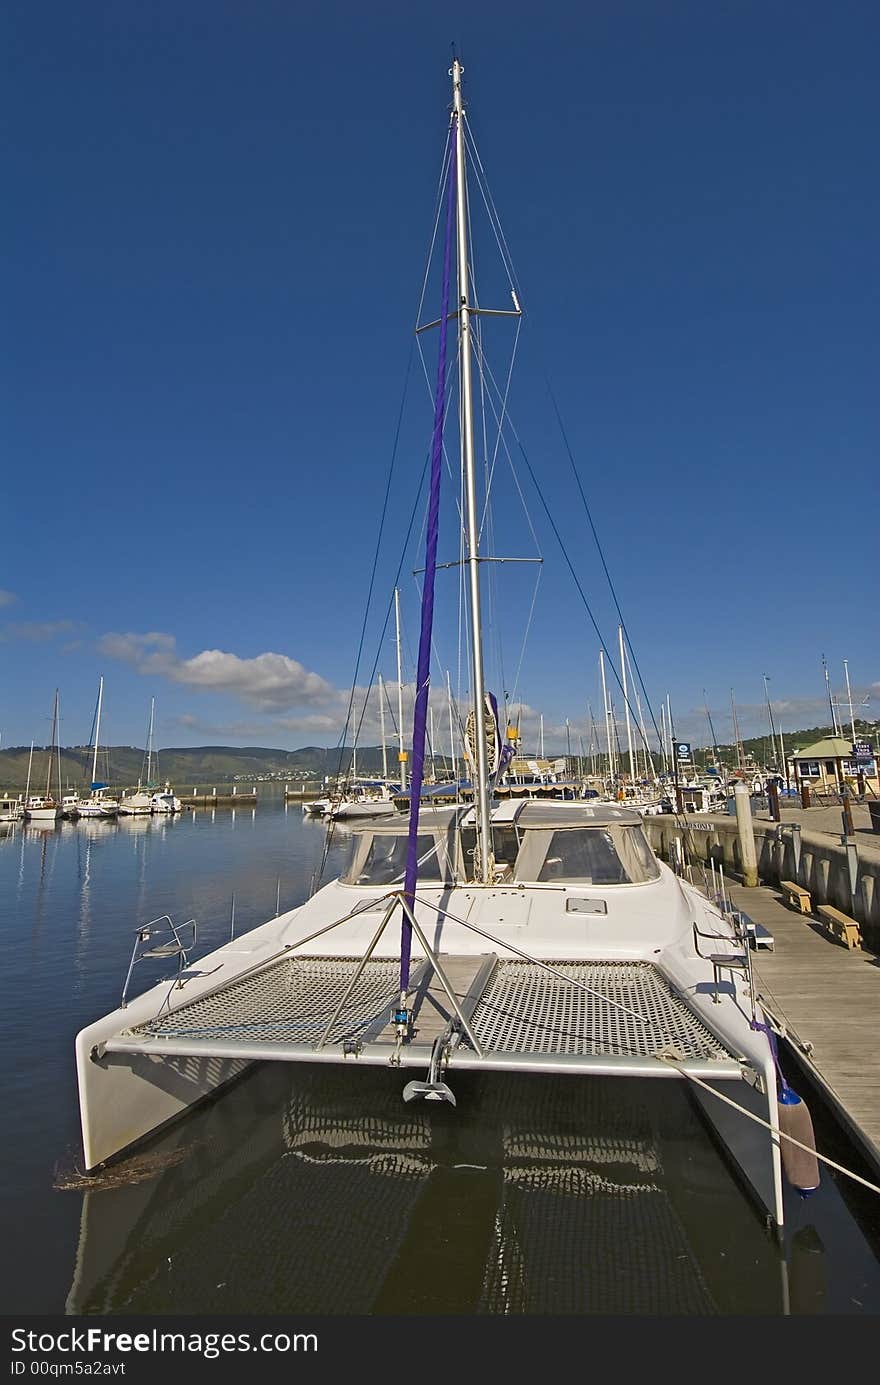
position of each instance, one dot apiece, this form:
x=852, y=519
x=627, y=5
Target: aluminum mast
x=481, y=767
x=382, y=729
x=629, y=744
x=607, y=714
x=97, y=730
x=849, y=699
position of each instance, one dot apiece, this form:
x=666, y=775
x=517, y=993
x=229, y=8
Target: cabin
x=533, y=843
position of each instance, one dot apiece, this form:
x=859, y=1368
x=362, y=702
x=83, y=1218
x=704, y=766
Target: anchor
x=433, y=1089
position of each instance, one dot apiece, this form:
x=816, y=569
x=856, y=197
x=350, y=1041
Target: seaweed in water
x=68, y=1177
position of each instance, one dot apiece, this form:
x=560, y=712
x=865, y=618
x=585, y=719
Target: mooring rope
x=759, y=1120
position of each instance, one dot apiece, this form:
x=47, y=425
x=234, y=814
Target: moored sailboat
x=46, y=808
x=140, y=803
x=97, y=803
x=515, y=936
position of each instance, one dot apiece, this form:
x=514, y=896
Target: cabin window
x=505, y=845
x=808, y=769
x=598, y=856
x=385, y=861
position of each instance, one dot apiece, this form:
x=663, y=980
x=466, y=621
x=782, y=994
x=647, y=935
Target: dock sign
x=683, y=750
x=862, y=751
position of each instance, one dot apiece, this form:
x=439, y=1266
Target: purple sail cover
x=423, y=674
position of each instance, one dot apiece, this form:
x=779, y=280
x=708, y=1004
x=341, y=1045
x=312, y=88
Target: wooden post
x=746, y=833
x=852, y=862
x=773, y=801
x=805, y=794
x=796, y=852
x=847, y=816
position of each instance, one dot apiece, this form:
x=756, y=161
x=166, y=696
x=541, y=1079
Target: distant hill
x=123, y=765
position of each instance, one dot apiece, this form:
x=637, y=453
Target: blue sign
x=683, y=750
x=862, y=750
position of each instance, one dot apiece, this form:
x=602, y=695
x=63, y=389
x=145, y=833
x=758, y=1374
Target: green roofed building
x=829, y=765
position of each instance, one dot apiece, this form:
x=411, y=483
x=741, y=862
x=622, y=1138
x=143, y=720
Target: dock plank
x=829, y=996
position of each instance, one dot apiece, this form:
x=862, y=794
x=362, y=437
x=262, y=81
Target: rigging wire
x=370, y=585
x=438, y=202
x=504, y=250
x=403, y=551
x=568, y=560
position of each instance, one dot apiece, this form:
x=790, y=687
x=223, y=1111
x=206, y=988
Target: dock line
x=780, y=1134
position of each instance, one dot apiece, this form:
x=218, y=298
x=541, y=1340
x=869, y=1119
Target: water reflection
x=807, y=1271
x=320, y=1191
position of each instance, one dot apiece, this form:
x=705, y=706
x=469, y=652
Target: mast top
x=456, y=72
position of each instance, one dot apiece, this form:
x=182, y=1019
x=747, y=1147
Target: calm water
x=317, y=1190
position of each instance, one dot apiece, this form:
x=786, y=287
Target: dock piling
x=746, y=834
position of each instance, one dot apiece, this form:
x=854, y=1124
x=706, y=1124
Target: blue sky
x=216, y=228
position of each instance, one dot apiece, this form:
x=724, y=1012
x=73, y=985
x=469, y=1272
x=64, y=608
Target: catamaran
x=496, y=936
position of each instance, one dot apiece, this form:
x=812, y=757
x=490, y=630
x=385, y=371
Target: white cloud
x=271, y=682
x=297, y=700
x=7, y=598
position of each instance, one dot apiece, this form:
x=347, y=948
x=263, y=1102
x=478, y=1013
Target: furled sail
x=493, y=738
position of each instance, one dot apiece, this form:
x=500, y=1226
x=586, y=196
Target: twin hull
x=146, y=1064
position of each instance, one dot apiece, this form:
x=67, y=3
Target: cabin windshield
x=613, y=855
x=385, y=860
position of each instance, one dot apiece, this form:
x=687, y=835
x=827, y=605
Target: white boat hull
x=132, y=1084
x=378, y=809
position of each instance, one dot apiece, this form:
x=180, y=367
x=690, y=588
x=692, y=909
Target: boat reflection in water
x=319, y=1191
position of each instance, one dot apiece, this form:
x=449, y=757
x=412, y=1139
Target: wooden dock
x=829, y=998
x=218, y=800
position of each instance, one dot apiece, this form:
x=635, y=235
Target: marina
x=537, y=938
x=622, y=1199
x=561, y=943
x=434, y=992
